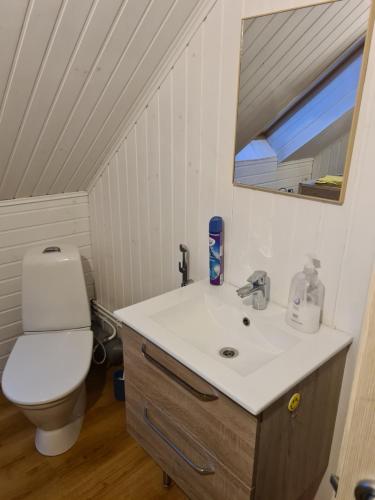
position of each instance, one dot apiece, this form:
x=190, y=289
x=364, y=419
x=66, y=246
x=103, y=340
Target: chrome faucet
x=259, y=285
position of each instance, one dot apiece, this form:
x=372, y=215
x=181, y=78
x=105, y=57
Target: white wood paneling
x=246, y=168
x=286, y=175
x=195, y=136
x=284, y=53
x=70, y=72
x=36, y=221
x=331, y=160
x=162, y=206
x=167, y=206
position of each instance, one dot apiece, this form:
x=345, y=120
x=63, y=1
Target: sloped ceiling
x=283, y=53
x=70, y=71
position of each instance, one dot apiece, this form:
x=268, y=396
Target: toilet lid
x=45, y=367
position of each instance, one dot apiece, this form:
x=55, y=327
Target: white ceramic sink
x=196, y=322
x=210, y=325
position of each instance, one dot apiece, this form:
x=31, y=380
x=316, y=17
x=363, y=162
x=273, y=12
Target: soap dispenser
x=306, y=298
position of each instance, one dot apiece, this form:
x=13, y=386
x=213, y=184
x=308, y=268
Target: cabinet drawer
x=193, y=468
x=225, y=429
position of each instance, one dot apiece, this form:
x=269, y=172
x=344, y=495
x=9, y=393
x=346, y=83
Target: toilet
x=46, y=370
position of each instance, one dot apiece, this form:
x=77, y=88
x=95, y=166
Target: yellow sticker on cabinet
x=294, y=401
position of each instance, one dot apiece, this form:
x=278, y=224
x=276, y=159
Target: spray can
x=216, y=254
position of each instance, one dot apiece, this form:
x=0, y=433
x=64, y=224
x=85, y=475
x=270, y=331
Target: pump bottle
x=306, y=298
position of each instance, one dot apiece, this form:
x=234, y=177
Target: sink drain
x=228, y=352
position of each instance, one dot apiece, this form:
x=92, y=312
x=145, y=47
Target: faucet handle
x=258, y=277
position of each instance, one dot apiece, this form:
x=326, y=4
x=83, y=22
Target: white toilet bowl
x=45, y=373
x=44, y=376
x=58, y=423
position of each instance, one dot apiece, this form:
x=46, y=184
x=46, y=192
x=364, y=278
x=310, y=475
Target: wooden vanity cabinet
x=213, y=448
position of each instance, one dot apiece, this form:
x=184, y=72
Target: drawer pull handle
x=205, y=470
x=200, y=395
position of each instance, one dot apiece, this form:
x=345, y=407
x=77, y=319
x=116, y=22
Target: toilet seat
x=45, y=367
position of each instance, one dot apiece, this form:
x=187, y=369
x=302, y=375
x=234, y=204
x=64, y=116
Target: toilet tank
x=54, y=295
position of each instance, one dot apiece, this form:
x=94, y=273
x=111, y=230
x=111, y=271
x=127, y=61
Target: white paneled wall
x=173, y=170
x=28, y=222
x=331, y=160
x=247, y=168
x=162, y=180
x=268, y=174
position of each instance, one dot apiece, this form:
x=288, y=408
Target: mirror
x=300, y=82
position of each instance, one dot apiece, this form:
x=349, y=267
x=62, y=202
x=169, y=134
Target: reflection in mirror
x=299, y=77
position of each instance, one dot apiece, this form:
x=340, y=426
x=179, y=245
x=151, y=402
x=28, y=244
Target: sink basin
x=210, y=325
x=253, y=357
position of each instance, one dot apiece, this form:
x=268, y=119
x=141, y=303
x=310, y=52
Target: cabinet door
x=293, y=447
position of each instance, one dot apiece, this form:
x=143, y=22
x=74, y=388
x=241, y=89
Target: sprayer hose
x=104, y=355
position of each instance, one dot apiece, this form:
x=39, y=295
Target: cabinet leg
x=167, y=480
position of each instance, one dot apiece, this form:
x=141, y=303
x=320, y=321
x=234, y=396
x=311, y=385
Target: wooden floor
x=105, y=463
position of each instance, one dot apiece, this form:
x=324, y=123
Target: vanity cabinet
x=215, y=449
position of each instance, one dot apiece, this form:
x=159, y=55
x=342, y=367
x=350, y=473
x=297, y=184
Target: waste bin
x=119, y=385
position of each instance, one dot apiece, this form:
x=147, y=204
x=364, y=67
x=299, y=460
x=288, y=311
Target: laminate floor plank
x=105, y=463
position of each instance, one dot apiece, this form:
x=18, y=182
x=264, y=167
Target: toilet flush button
x=52, y=249
x=294, y=402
